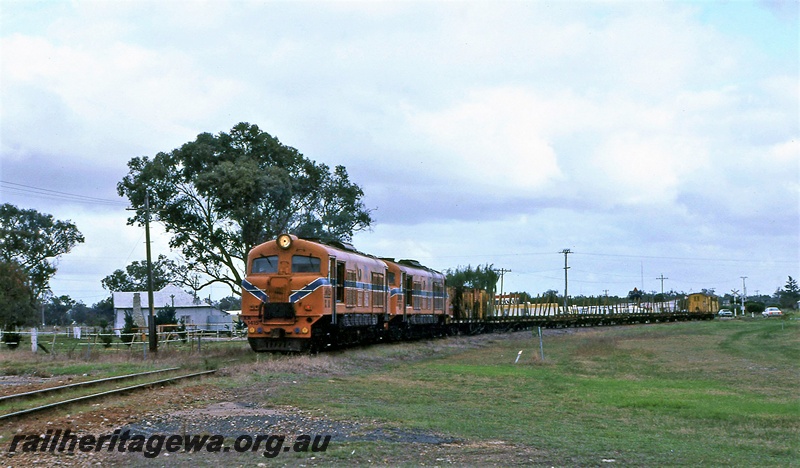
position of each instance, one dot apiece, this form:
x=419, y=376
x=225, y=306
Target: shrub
x=11, y=339
x=105, y=333
x=127, y=329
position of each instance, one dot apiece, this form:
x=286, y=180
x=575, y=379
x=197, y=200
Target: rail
x=42, y=391
x=101, y=394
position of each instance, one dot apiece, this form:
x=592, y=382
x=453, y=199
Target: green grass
x=711, y=393
x=700, y=393
x=72, y=358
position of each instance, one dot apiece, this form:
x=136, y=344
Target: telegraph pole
x=151, y=324
x=662, y=282
x=502, y=272
x=565, y=252
x=744, y=289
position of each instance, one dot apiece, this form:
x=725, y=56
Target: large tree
x=17, y=306
x=789, y=295
x=57, y=308
x=461, y=279
x=221, y=195
x=482, y=277
x=95, y=315
x=134, y=277
x=34, y=241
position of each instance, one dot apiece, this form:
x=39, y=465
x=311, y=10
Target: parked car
x=772, y=312
x=725, y=313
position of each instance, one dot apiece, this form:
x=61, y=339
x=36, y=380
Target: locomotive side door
x=334, y=288
x=340, y=285
x=386, y=296
x=405, y=299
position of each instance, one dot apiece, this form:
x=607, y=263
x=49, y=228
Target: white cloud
x=603, y=126
x=100, y=91
x=493, y=142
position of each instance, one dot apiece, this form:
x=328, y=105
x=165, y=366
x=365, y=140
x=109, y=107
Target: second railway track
x=90, y=396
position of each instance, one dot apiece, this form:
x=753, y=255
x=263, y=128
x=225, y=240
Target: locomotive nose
x=279, y=287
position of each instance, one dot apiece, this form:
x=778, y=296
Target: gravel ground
x=232, y=419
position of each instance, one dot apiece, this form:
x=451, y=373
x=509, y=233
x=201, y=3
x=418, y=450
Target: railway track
x=43, y=393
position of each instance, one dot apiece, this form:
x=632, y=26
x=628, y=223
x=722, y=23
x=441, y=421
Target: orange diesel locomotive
x=302, y=294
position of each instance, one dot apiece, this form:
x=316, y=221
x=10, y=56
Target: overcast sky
x=650, y=138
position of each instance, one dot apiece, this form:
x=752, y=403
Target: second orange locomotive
x=302, y=294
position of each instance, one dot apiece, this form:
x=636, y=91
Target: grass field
x=74, y=357
x=701, y=393
x=716, y=393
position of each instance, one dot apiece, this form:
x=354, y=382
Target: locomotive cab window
x=265, y=265
x=303, y=264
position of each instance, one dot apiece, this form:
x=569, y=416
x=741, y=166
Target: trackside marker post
x=541, y=345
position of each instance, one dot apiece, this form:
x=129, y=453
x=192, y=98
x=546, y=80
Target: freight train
x=308, y=295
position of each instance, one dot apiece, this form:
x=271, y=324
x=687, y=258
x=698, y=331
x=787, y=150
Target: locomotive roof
x=343, y=246
x=333, y=243
x=412, y=264
x=349, y=248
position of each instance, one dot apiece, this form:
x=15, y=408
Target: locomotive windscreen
x=265, y=265
x=303, y=264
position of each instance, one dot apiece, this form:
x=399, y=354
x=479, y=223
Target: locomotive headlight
x=284, y=241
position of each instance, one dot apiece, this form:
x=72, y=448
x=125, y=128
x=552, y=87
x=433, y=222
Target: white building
x=197, y=315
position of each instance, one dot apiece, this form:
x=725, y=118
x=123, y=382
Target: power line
x=489, y=256
x=703, y=259
x=40, y=192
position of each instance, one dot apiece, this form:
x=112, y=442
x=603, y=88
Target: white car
x=772, y=312
x=725, y=313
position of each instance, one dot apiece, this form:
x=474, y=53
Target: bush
x=11, y=339
x=127, y=329
x=105, y=334
x=181, y=330
x=754, y=307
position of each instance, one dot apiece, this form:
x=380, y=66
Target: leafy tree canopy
x=230, y=303
x=221, y=195
x=482, y=277
x=789, y=295
x=166, y=316
x=34, y=241
x=134, y=278
x=16, y=298
x=56, y=310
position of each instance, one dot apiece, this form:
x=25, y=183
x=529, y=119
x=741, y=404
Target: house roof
x=169, y=296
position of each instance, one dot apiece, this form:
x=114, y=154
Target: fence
x=89, y=337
